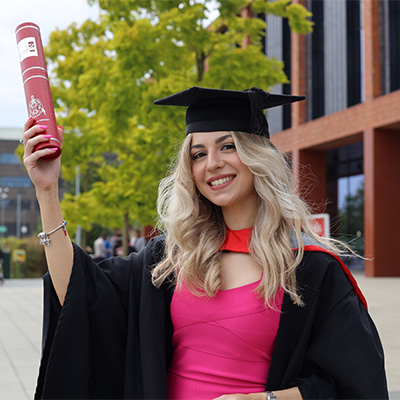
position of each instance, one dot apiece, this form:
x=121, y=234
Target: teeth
x=221, y=181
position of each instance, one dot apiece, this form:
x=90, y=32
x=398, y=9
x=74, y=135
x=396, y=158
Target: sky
x=48, y=15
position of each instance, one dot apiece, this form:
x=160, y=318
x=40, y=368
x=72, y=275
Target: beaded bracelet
x=44, y=237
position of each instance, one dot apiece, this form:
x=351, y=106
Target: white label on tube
x=27, y=48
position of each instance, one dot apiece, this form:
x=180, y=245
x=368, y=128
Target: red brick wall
x=376, y=121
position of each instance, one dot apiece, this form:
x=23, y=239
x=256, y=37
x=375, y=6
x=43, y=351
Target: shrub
x=35, y=265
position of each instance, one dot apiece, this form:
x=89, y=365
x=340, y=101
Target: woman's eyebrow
x=219, y=140
x=222, y=138
x=197, y=146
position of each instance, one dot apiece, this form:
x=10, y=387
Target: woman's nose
x=214, y=161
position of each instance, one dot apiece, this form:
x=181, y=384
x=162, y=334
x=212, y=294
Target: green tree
x=106, y=74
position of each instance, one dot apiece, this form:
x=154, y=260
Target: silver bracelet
x=44, y=236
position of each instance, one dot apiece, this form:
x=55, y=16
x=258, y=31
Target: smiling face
x=219, y=174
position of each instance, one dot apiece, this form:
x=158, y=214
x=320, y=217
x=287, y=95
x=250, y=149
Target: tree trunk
x=200, y=63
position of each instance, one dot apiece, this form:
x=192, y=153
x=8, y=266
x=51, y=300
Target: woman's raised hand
x=44, y=174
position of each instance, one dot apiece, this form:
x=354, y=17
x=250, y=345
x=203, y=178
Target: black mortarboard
x=227, y=110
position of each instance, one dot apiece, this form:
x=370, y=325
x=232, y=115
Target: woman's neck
x=239, y=218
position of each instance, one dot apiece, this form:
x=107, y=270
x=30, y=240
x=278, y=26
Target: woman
x=233, y=302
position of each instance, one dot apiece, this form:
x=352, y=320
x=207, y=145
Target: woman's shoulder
x=317, y=262
x=158, y=240
x=317, y=254
x=155, y=247
x=321, y=267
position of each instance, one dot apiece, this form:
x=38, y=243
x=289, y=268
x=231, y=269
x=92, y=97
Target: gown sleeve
x=345, y=351
x=89, y=344
x=330, y=348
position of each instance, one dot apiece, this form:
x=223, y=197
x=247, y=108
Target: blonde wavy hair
x=195, y=227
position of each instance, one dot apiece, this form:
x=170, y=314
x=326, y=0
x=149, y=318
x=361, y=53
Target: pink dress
x=222, y=345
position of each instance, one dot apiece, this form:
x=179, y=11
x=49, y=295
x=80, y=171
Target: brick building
x=348, y=130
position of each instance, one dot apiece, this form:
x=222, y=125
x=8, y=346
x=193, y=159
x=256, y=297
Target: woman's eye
x=228, y=146
x=198, y=155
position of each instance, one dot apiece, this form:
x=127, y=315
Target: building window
x=12, y=204
x=353, y=52
x=287, y=59
x=9, y=158
x=351, y=210
x=390, y=50
x=15, y=181
x=394, y=44
x=345, y=191
x=317, y=60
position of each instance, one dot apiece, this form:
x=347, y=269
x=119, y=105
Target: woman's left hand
x=286, y=394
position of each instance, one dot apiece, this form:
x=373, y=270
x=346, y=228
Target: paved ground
x=21, y=325
x=20, y=337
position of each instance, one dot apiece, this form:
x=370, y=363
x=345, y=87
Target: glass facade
x=394, y=44
x=345, y=192
x=353, y=25
x=317, y=61
x=15, y=181
x=9, y=158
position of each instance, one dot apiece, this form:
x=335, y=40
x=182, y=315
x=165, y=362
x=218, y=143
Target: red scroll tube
x=36, y=85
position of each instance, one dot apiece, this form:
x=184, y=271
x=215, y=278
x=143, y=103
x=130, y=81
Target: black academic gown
x=112, y=337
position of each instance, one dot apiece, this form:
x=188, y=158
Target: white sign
x=27, y=48
x=320, y=224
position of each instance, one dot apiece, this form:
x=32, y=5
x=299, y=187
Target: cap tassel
x=258, y=121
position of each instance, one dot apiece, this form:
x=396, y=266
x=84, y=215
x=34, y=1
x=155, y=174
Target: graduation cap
x=211, y=110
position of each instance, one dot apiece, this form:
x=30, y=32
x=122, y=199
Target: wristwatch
x=270, y=395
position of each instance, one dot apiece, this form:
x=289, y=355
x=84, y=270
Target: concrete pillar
x=381, y=202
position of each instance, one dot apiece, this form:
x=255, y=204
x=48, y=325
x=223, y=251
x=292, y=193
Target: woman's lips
x=219, y=182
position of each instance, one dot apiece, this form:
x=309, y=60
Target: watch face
x=271, y=396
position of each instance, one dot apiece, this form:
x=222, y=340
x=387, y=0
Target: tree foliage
x=106, y=74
